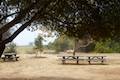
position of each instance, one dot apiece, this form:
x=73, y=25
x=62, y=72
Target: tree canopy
x=98, y=18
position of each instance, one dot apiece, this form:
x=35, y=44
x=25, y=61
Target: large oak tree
x=98, y=18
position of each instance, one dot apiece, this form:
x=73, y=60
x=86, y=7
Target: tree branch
x=38, y=15
x=19, y=30
x=8, y=16
x=17, y=19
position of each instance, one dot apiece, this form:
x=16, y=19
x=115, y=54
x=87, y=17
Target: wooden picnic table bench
x=89, y=59
x=10, y=56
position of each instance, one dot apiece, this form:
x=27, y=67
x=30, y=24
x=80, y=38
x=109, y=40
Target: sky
x=26, y=37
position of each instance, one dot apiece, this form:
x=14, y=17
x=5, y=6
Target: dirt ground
x=49, y=67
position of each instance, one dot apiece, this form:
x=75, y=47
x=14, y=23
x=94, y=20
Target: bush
x=10, y=48
x=61, y=44
x=108, y=46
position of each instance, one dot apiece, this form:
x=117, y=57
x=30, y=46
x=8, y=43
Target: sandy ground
x=49, y=67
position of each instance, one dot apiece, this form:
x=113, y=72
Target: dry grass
x=49, y=67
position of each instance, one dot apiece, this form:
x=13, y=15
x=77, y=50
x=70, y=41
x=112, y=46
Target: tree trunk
x=74, y=53
x=2, y=48
x=75, y=47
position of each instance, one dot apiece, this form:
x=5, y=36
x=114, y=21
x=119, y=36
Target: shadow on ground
x=38, y=57
x=8, y=61
x=41, y=78
x=82, y=64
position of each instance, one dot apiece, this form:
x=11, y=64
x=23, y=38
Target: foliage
x=38, y=43
x=11, y=48
x=62, y=43
x=108, y=46
x=71, y=17
x=98, y=18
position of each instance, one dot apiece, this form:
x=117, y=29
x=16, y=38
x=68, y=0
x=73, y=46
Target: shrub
x=10, y=48
x=107, y=46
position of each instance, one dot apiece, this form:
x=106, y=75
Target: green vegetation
x=64, y=43
x=11, y=48
x=38, y=45
x=107, y=46
x=61, y=44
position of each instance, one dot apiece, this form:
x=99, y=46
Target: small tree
x=38, y=45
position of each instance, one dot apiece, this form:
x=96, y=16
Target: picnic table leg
x=102, y=60
x=89, y=60
x=77, y=60
x=16, y=59
x=4, y=59
x=63, y=61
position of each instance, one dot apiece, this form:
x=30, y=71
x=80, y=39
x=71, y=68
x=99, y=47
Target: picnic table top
x=80, y=55
x=9, y=53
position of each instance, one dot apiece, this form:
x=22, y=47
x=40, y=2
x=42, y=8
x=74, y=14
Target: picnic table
x=10, y=56
x=77, y=58
x=101, y=59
